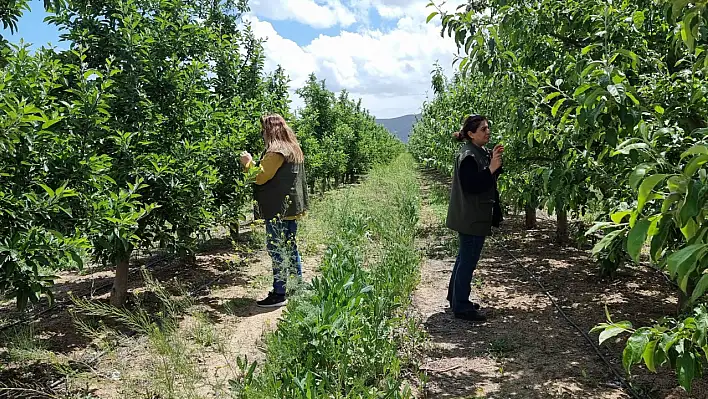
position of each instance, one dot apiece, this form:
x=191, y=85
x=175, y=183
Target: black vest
x=471, y=214
x=285, y=194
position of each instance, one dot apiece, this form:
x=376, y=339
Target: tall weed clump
x=342, y=335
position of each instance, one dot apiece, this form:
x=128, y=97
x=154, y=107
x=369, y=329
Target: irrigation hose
x=612, y=368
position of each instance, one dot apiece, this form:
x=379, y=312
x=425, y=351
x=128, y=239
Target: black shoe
x=472, y=315
x=475, y=306
x=273, y=300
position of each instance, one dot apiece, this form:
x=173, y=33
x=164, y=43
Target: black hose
x=612, y=368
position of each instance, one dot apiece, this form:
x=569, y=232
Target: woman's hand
x=246, y=158
x=496, y=158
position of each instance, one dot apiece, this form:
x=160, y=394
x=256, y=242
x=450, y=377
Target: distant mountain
x=401, y=126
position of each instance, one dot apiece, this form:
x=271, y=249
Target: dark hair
x=471, y=124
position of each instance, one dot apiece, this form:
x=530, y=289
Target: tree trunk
x=562, y=227
x=234, y=231
x=530, y=217
x=119, y=292
x=185, y=251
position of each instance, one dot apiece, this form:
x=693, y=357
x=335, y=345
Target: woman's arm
x=270, y=164
x=475, y=181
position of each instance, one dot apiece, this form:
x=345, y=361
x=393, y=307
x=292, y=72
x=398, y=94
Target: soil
x=224, y=283
x=526, y=349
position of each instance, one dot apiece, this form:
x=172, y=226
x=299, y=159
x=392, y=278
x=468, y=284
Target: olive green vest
x=284, y=195
x=470, y=213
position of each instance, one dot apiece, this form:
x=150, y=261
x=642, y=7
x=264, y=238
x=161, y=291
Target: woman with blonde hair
x=281, y=194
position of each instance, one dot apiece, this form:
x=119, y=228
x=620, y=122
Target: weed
x=345, y=334
x=232, y=306
x=24, y=346
x=203, y=331
x=171, y=362
x=500, y=348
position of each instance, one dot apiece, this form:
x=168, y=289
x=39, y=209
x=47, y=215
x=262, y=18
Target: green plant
x=129, y=140
x=342, y=334
x=602, y=110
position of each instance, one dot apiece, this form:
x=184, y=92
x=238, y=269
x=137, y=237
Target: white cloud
x=317, y=14
x=389, y=70
x=415, y=9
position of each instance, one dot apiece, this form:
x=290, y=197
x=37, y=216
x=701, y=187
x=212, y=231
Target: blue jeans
x=282, y=248
x=458, y=292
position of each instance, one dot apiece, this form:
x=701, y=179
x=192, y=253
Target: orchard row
x=603, y=110
x=130, y=138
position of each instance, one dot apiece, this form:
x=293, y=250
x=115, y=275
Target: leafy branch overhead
x=130, y=139
x=603, y=110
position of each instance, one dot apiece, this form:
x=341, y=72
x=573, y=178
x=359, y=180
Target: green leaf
x=77, y=259
x=638, y=19
x=591, y=98
x=700, y=288
x=599, y=226
x=431, y=16
x=589, y=48
x=582, y=89
x=631, y=55
x=690, y=207
x=638, y=174
x=49, y=123
x=646, y=188
x=695, y=150
x=659, y=109
x=566, y=115
x=677, y=6
x=659, y=240
x=611, y=332
x=689, y=229
x=551, y=96
x=695, y=165
x=49, y=191
x=606, y=240
x=649, y=357
x=628, y=148
x=637, y=237
x=634, y=350
x=557, y=106
x=686, y=255
x=686, y=32
x=617, y=217
x=633, y=98
x=590, y=67
x=686, y=369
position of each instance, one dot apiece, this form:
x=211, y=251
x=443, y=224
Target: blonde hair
x=280, y=138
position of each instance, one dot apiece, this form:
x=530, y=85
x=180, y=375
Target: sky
x=381, y=51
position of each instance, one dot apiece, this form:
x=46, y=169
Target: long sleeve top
x=476, y=181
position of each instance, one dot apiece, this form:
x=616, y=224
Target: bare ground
x=223, y=283
x=526, y=349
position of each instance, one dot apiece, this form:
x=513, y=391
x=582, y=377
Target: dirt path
x=526, y=349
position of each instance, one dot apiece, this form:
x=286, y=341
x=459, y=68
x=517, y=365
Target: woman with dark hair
x=281, y=194
x=473, y=209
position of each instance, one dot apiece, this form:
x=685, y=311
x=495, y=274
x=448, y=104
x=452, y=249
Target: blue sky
x=379, y=50
x=32, y=28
